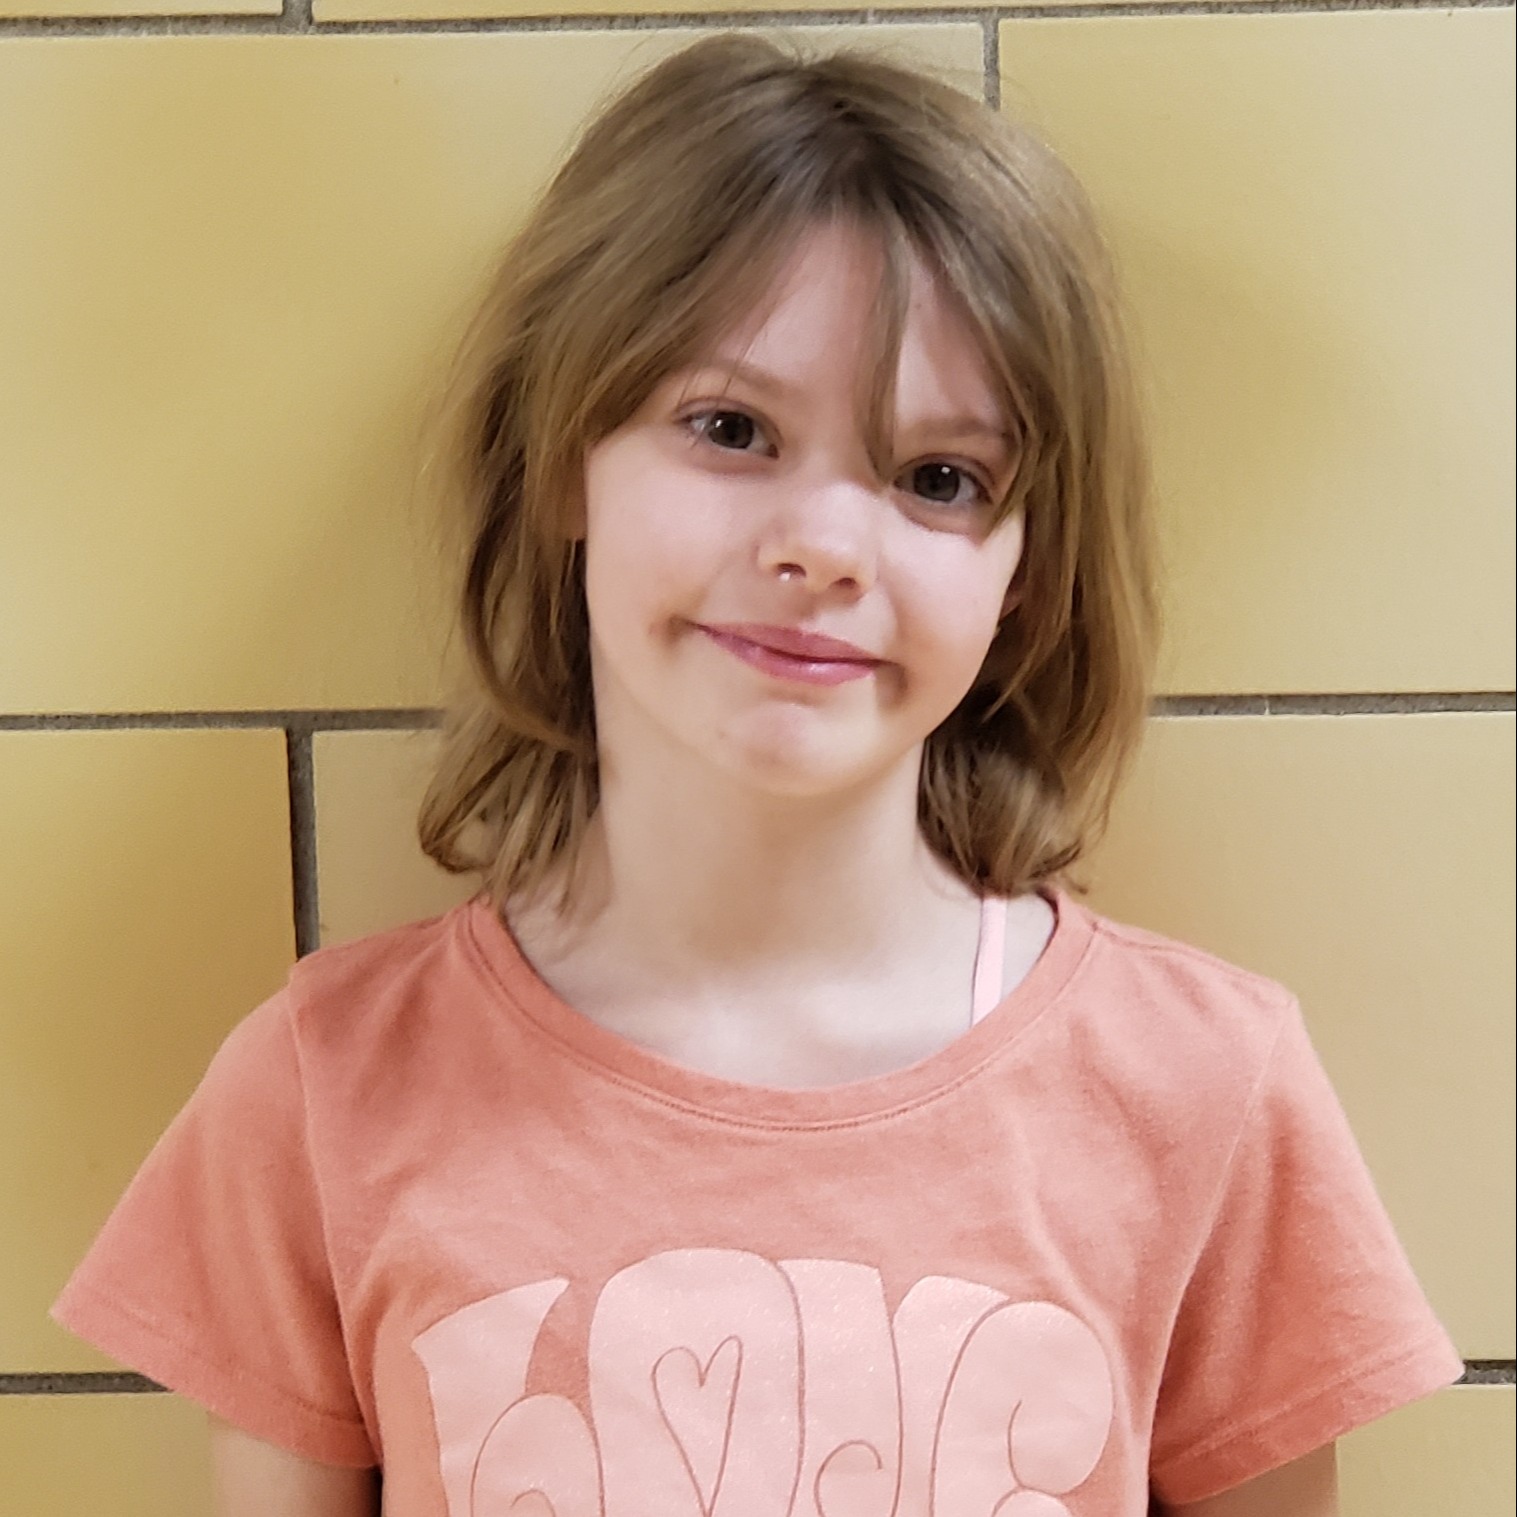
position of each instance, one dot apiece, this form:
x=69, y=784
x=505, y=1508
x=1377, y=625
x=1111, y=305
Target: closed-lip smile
x=795, y=641
x=793, y=653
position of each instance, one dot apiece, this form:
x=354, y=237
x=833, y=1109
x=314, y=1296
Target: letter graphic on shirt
x=850, y=1464
x=1028, y=1409
x=722, y=1384
x=932, y=1324
x=540, y=1459
x=476, y=1363
x=695, y=1386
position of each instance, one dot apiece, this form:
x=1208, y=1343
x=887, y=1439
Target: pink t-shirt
x=421, y=1213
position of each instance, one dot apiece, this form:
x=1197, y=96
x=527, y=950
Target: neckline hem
x=499, y=958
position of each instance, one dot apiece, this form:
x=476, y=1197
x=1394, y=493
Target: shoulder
x=378, y=958
x=383, y=984
x=1179, y=1001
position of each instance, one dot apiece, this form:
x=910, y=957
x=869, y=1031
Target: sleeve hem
x=134, y=1337
x=1326, y=1413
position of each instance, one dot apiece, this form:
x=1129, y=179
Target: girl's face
x=759, y=598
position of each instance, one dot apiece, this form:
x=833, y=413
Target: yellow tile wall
x=104, y=1456
x=372, y=873
x=144, y=906
x=64, y=10
x=1451, y=1453
x=1314, y=215
x=231, y=263
x=438, y=10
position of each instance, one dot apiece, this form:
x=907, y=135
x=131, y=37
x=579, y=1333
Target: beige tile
x=372, y=873
x=1366, y=862
x=103, y=1456
x=231, y=270
x=1447, y=1456
x=144, y=908
x=436, y=10
x=1314, y=214
x=58, y=9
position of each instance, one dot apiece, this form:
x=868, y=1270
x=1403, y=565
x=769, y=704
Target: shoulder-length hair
x=661, y=229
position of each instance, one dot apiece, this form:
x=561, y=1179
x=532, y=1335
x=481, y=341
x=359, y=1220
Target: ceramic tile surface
x=65, y=9
x=144, y=908
x=1314, y=218
x=1367, y=863
x=144, y=1455
x=371, y=870
x=1449, y=1454
x=436, y=10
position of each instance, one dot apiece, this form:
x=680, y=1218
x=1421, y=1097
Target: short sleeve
x=212, y=1275
x=1302, y=1318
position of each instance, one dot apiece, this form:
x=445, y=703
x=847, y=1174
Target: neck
x=692, y=870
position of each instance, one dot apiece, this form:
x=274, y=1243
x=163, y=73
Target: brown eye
x=943, y=484
x=729, y=429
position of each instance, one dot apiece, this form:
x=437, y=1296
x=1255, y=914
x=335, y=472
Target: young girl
x=774, y=1134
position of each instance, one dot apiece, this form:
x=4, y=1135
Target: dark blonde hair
x=664, y=227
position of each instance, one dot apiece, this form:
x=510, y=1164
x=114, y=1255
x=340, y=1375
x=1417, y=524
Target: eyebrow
x=750, y=374
x=956, y=427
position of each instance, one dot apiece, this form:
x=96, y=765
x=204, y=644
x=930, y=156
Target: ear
x=1012, y=599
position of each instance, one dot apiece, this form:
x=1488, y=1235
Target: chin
x=792, y=783
x=800, y=768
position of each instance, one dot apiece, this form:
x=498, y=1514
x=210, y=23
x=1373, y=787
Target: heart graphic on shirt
x=697, y=1402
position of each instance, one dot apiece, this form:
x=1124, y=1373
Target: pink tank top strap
x=989, y=959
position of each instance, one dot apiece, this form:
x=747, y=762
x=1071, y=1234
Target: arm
x=252, y=1478
x=1306, y=1487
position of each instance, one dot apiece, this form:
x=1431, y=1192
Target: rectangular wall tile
x=438, y=10
x=1314, y=215
x=141, y=1455
x=231, y=271
x=64, y=9
x=1367, y=863
x=1450, y=1454
x=144, y=908
x=371, y=870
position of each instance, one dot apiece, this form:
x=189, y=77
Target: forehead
x=829, y=315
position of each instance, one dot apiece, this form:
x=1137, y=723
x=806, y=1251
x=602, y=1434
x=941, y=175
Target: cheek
x=955, y=609
x=649, y=547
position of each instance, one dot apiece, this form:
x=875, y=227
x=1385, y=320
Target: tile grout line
x=1344, y=703
x=991, y=25
x=1477, y=1372
x=1488, y=1372
x=304, y=876
x=412, y=718
x=334, y=719
x=77, y=1383
x=297, y=19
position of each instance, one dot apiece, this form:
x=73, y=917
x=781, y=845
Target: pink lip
x=795, y=641
x=790, y=653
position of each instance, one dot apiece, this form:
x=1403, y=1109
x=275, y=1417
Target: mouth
x=788, y=653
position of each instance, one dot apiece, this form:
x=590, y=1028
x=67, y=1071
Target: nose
x=823, y=537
